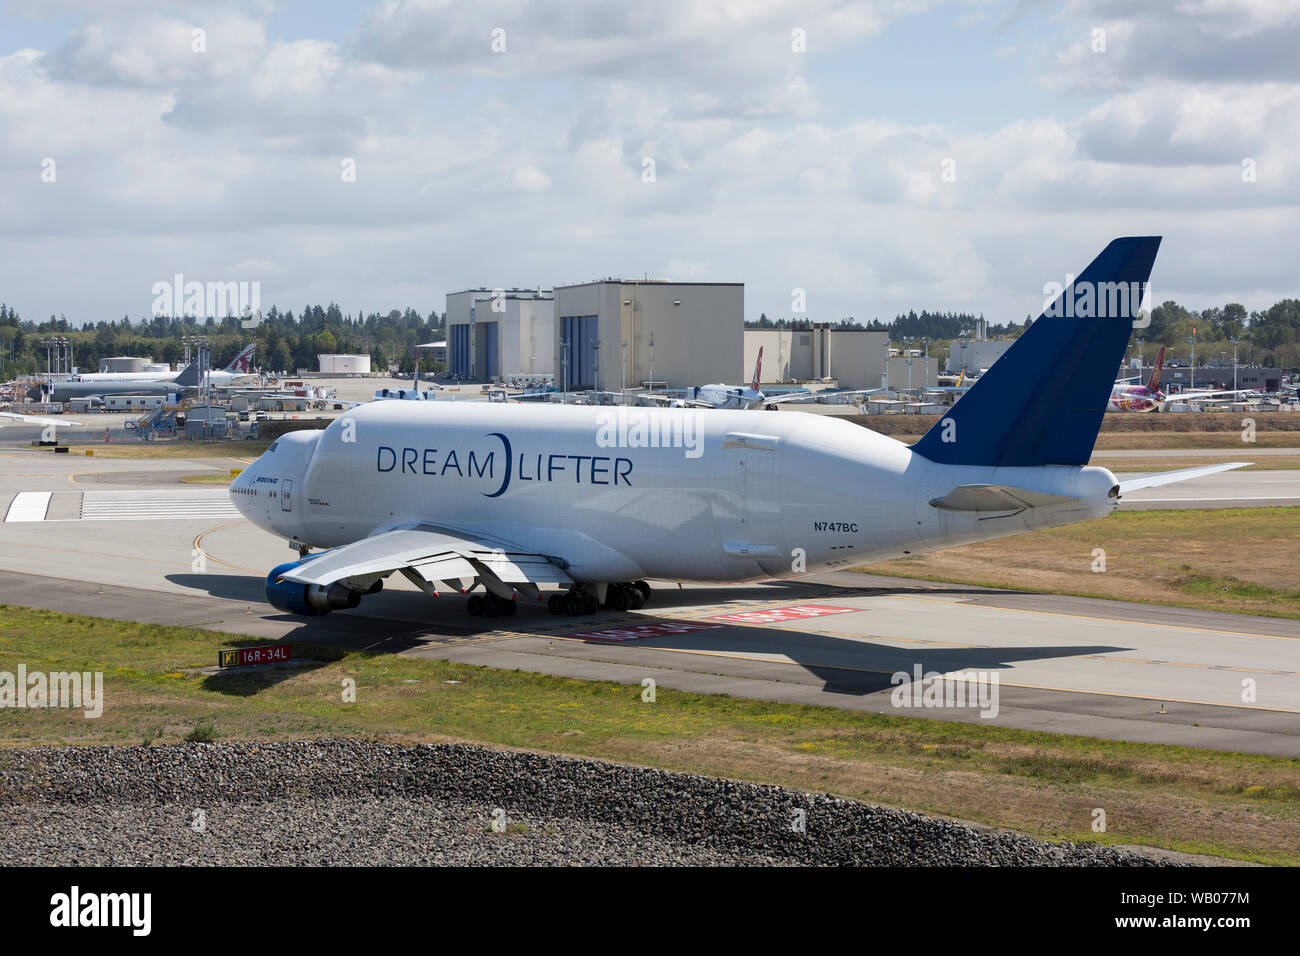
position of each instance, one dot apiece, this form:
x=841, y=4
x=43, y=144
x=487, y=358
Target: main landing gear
x=582, y=599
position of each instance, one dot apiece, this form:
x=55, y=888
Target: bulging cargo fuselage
x=621, y=494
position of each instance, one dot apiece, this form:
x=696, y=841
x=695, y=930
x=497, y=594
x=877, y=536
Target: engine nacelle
x=313, y=600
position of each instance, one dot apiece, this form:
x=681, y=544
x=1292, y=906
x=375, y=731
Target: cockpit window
x=273, y=444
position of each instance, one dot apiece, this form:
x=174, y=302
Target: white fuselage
x=215, y=377
x=728, y=396
x=622, y=494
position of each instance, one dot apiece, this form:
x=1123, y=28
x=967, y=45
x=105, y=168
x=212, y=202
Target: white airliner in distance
x=735, y=396
x=594, y=501
x=240, y=367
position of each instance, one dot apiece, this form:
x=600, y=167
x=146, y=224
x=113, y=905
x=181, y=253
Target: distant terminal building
x=974, y=355
x=692, y=333
x=1216, y=376
x=854, y=358
x=910, y=371
x=437, y=351
x=344, y=364
x=501, y=334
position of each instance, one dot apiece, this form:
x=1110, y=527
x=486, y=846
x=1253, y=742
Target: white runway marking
x=1132, y=495
x=28, y=506
x=156, y=505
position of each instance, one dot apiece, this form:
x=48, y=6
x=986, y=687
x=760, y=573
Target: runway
x=1061, y=664
x=1228, y=489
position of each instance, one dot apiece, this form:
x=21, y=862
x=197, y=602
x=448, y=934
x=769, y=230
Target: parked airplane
x=1125, y=397
x=729, y=396
x=186, y=380
x=241, y=366
x=1150, y=398
x=597, y=500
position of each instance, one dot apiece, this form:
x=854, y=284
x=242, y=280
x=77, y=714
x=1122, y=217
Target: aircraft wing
x=1169, y=477
x=1197, y=396
x=40, y=420
x=427, y=553
x=791, y=397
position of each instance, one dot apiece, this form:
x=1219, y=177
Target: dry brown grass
x=1240, y=560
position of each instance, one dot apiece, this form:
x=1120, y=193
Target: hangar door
x=491, y=348
x=460, y=350
x=580, y=337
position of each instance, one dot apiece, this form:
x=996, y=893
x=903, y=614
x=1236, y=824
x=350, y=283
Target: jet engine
x=293, y=597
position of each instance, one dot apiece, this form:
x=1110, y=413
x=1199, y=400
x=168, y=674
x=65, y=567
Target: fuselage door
x=286, y=495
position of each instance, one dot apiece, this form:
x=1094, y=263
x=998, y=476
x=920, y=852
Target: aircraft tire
x=573, y=605
x=555, y=604
x=644, y=589
x=475, y=605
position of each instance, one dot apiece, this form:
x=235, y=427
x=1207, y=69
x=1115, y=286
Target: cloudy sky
x=880, y=154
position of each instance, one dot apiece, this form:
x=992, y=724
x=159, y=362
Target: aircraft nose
x=241, y=489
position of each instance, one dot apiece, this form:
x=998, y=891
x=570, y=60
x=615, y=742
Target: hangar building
x=854, y=358
x=974, y=355
x=501, y=334
x=697, y=330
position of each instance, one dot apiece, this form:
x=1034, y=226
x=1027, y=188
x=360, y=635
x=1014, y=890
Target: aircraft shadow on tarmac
x=230, y=587
x=397, y=621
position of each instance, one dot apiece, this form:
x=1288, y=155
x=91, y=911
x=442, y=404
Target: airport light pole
x=652, y=362
x=1235, y=343
x=926, y=340
x=564, y=377
x=1192, y=341
x=623, y=388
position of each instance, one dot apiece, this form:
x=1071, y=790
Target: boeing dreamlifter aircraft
x=596, y=500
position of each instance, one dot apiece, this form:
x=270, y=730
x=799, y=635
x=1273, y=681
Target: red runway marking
x=795, y=612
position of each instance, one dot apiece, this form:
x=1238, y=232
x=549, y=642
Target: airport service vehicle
x=501, y=500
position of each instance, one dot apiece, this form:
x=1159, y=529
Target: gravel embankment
x=344, y=802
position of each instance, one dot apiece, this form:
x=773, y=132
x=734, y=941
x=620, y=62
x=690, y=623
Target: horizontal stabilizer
x=1169, y=477
x=1002, y=499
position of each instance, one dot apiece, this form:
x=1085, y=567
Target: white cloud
x=228, y=164
x=531, y=179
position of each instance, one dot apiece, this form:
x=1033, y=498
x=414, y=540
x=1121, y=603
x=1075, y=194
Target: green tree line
x=1269, y=337
x=285, y=341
